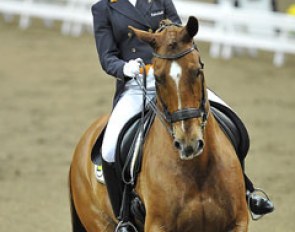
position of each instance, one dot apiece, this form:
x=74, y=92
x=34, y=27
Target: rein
x=152, y=104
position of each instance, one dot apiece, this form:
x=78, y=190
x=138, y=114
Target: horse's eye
x=159, y=79
x=196, y=72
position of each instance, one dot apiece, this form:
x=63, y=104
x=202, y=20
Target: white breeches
x=130, y=104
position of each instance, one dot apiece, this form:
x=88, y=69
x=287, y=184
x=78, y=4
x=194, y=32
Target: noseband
x=186, y=113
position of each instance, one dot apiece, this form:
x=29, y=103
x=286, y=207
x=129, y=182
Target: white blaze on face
x=175, y=74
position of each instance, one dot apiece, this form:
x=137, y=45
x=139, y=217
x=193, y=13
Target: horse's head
x=181, y=90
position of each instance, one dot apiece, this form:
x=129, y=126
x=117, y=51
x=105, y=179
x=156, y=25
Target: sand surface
x=52, y=88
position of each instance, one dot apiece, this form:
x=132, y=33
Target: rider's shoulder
x=100, y=3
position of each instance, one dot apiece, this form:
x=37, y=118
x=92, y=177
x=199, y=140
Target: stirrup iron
x=122, y=223
x=254, y=216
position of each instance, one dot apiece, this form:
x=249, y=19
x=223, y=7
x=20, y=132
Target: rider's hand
x=132, y=68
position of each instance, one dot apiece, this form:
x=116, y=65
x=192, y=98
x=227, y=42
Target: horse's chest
x=199, y=211
x=209, y=205
x=206, y=214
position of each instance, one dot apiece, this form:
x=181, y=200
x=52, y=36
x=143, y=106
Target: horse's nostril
x=200, y=144
x=177, y=145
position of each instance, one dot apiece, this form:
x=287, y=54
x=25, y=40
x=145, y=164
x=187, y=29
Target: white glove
x=132, y=68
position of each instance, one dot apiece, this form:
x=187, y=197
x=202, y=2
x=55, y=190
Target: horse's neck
x=163, y=159
x=216, y=148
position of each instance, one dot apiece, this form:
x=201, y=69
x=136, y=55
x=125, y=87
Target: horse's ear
x=145, y=36
x=191, y=28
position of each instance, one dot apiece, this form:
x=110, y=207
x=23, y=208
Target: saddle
x=129, y=148
x=126, y=145
x=233, y=127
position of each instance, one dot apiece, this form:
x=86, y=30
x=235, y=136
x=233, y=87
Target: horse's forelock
x=169, y=38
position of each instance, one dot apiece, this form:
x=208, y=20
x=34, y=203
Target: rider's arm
x=171, y=12
x=106, y=46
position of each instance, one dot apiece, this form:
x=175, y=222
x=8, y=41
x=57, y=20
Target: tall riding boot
x=259, y=205
x=115, y=191
x=114, y=186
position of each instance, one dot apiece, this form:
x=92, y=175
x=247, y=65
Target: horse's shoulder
x=101, y=121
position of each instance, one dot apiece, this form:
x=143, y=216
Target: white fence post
x=67, y=23
x=25, y=19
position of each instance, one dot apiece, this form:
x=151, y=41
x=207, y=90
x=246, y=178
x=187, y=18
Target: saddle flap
x=96, y=155
x=233, y=127
x=125, y=150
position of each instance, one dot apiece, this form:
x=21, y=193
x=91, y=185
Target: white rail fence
x=75, y=15
x=226, y=28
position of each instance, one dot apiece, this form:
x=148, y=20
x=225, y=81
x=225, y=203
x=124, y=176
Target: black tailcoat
x=114, y=41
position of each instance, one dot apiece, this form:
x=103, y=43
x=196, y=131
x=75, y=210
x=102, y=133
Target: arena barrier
x=75, y=15
x=231, y=29
x=228, y=29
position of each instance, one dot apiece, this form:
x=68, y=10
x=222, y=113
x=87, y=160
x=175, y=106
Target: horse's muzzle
x=189, y=151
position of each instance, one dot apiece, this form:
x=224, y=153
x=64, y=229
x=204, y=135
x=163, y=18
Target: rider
x=120, y=53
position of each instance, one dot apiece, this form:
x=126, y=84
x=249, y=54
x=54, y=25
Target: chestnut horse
x=191, y=178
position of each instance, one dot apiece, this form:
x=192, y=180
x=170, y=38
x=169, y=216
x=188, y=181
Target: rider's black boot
x=258, y=204
x=122, y=229
x=115, y=191
x=125, y=227
x=114, y=186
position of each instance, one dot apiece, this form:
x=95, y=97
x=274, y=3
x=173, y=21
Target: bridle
x=181, y=114
x=174, y=56
x=185, y=113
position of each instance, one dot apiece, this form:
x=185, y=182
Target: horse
x=190, y=178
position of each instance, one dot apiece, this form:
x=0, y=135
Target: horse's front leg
x=153, y=226
x=242, y=219
x=242, y=225
x=240, y=228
